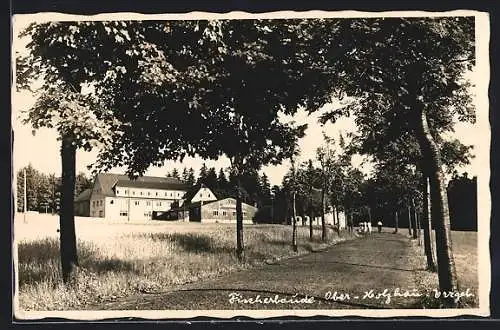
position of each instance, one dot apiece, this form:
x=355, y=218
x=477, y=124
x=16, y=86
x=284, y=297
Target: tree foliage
x=166, y=90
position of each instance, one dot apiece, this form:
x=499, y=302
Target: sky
x=41, y=149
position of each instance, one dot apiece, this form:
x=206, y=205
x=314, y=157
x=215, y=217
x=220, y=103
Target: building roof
x=109, y=180
x=193, y=190
x=152, y=185
x=84, y=195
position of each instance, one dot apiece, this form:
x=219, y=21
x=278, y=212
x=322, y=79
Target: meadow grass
x=141, y=261
x=466, y=262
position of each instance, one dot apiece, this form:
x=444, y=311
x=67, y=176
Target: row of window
x=142, y=193
x=97, y=203
x=125, y=214
x=148, y=203
x=224, y=213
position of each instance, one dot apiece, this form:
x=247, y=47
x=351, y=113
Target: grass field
x=465, y=252
x=120, y=259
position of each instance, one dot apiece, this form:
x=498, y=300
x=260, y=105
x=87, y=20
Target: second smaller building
x=201, y=205
x=220, y=211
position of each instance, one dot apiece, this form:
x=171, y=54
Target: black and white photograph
x=287, y=163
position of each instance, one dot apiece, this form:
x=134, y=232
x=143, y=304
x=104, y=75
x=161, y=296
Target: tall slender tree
x=294, y=215
x=415, y=220
x=330, y=172
x=190, y=181
x=211, y=178
x=184, y=175
x=222, y=184
x=429, y=246
x=265, y=189
x=58, y=54
x=410, y=223
x=202, y=176
x=175, y=173
x=408, y=76
x=72, y=58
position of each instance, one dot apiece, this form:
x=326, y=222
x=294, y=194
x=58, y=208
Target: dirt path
x=351, y=269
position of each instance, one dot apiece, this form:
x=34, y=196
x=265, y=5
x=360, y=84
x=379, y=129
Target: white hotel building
x=116, y=197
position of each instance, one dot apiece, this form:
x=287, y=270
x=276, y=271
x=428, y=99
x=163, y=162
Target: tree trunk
x=287, y=213
x=323, y=223
x=439, y=209
x=311, y=216
x=334, y=216
x=337, y=212
x=415, y=225
x=427, y=224
x=69, y=256
x=349, y=223
x=416, y=216
x=409, y=220
x=397, y=222
x=272, y=210
x=419, y=228
x=240, y=248
x=370, y=215
x=294, y=225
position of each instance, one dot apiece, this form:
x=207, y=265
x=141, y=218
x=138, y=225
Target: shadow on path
x=344, y=268
x=373, y=266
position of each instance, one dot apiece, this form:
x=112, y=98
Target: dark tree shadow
x=38, y=251
x=190, y=242
x=40, y=260
x=371, y=266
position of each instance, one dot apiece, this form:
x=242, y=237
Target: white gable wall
x=203, y=195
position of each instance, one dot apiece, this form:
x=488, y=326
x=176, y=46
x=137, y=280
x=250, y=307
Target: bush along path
x=375, y=272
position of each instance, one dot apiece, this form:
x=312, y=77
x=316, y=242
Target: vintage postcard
x=262, y=165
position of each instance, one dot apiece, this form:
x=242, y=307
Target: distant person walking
x=369, y=225
x=379, y=224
